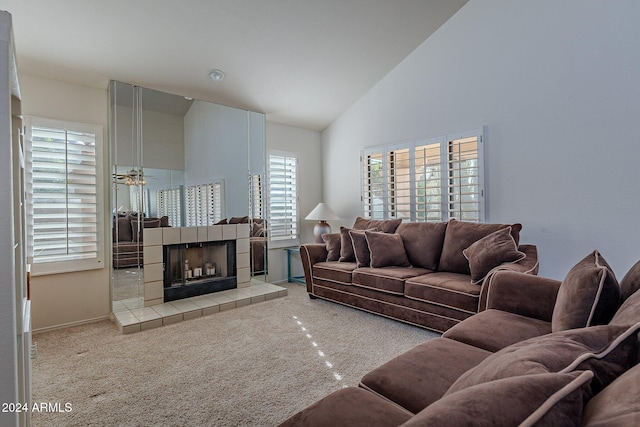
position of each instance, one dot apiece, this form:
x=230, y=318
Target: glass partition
x=177, y=161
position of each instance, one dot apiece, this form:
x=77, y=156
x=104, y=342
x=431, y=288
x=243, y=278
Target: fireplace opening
x=192, y=269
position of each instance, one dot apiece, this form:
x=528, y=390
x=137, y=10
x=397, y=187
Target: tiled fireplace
x=181, y=262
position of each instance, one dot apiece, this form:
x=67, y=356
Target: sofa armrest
x=311, y=254
x=523, y=294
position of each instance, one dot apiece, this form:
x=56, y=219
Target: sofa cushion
x=491, y=251
x=420, y=376
x=124, y=232
x=480, y=329
x=423, y=242
x=540, y=399
x=350, y=406
x=332, y=241
x=387, y=279
x=607, y=350
x=386, y=250
x=629, y=312
x=385, y=226
x=630, y=283
x=360, y=248
x=589, y=295
x=445, y=289
x=460, y=235
x=239, y=220
x=334, y=271
x=617, y=404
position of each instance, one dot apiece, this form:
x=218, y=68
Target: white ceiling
x=302, y=62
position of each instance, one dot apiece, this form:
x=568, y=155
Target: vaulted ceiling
x=301, y=62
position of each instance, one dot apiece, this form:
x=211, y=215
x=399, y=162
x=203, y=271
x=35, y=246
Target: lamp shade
x=322, y=212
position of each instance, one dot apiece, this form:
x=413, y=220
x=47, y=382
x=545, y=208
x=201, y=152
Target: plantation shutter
x=203, y=204
x=65, y=206
x=464, y=184
x=398, y=188
x=373, y=187
x=255, y=185
x=428, y=181
x=283, y=199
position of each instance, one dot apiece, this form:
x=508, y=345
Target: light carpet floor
x=251, y=366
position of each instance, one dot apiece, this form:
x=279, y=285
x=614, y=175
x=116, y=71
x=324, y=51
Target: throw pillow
x=540, y=399
x=346, y=246
x=491, y=251
x=386, y=225
x=630, y=283
x=332, y=241
x=589, y=295
x=606, y=350
x=462, y=234
x=239, y=220
x=221, y=222
x=386, y=250
x=360, y=248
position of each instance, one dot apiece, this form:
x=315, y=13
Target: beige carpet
x=251, y=366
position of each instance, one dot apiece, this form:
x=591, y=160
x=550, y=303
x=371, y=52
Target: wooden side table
x=290, y=277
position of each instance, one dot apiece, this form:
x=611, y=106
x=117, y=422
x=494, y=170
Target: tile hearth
x=131, y=320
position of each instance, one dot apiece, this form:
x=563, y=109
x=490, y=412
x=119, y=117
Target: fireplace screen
x=192, y=269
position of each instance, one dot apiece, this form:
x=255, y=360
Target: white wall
x=306, y=144
x=70, y=298
x=557, y=85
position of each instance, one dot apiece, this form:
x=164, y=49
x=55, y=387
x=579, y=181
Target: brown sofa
x=432, y=275
x=127, y=238
x=544, y=353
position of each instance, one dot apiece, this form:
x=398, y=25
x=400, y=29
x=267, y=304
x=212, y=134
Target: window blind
x=169, y=203
x=203, y=204
x=283, y=199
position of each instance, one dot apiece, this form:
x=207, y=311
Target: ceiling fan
x=131, y=178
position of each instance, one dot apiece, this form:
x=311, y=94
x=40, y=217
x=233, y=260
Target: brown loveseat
x=432, y=275
x=544, y=353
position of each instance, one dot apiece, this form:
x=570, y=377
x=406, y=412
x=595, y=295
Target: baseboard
x=71, y=324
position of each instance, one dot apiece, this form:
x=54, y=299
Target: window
x=255, y=188
x=283, y=199
x=428, y=180
x=65, y=206
x=203, y=204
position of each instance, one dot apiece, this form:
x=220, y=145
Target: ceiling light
x=216, y=75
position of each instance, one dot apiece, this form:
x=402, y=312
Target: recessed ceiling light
x=216, y=75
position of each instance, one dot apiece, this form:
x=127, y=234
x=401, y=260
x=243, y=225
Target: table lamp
x=321, y=213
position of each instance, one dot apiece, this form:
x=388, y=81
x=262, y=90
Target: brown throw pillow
x=462, y=234
x=221, y=222
x=386, y=250
x=332, y=241
x=607, y=350
x=630, y=283
x=589, y=295
x=543, y=399
x=491, y=251
x=239, y=220
x=423, y=242
x=346, y=246
x=360, y=247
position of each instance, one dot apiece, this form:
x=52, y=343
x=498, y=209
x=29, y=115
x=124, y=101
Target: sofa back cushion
x=589, y=295
x=123, y=232
x=423, y=242
x=629, y=311
x=146, y=223
x=386, y=225
x=460, y=235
